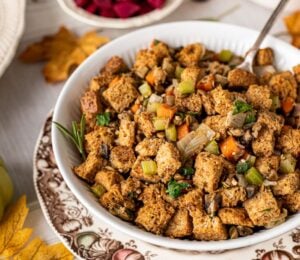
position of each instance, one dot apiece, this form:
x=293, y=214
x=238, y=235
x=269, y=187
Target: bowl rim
x=190, y=245
x=137, y=21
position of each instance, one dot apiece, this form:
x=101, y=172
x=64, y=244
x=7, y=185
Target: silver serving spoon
x=247, y=64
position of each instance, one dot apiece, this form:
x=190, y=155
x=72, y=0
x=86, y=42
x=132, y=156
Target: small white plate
x=80, y=14
x=12, y=14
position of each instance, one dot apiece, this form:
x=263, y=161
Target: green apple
x=6, y=187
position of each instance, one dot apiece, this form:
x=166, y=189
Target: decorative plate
x=89, y=238
x=95, y=20
x=11, y=28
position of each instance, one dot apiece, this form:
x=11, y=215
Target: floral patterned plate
x=89, y=238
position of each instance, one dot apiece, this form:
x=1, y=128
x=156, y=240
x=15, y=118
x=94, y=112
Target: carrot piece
x=135, y=108
x=182, y=131
x=231, y=148
x=150, y=78
x=165, y=111
x=287, y=105
x=207, y=84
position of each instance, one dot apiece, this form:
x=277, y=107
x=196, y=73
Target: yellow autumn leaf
x=13, y=222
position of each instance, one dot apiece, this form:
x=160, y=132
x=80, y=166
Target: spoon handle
x=269, y=24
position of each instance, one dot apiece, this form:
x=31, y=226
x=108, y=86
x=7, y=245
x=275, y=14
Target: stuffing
x=268, y=166
x=102, y=135
x=190, y=55
x=156, y=78
x=152, y=192
x=209, y=168
x=191, y=198
x=292, y=202
x=121, y=93
x=145, y=123
x=192, y=102
x=149, y=146
x=122, y=158
x=100, y=82
x=284, y=85
x=264, y=57
x=287, y=184
x=207, y=102
x=144, y=61
x=296, y=70
x=180, y=225
x=217, y=68
x=117, y=204
x=88, y=169
x=90, y=103
x=259, y=97
x=160, y=50
x=137, y=171
x=168, y=161
x=264, y=144
x=205, y=227
x=192, y=74
x=131, y=187
x=231, y=197
x=155, y=216
x=115, y=65
x=108, y=177
x=262, y=208
x=126, y=130
x=223, y=100
x=235, y=216
x=241, y=78
x=169, y=67
x=289, y=141
x=217, y=124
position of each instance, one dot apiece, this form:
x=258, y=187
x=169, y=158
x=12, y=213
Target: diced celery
x=212, y=147
x=254, y=177
x=152, y=107
x=149, y=167
x=171, y=133
x=287, y=163
x=275, y=103
x=225, y=56
x=160, y=123
x=178, y=71
x=186, y=87
x=145, y=90
x=98, y=190
x=251, y=159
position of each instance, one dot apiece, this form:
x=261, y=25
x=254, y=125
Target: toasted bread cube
x=90, y=103
x=122, y=158
x=121, y=93
x=223, y=100
x=287, y=184
x=194, y=197
x=137, y=171
x=192, y=102
x=292, y=202
x=235, y=216
x=100, y=82
x=264, y=144
x=241, y=78
x=126, y=131
x=218, y=124
x=264, y=57
x=149, y=146
x=289, y=141
x=191, y=54
x=232, y=196
x=207, y=102
x=268, y=166
x=131, y=187
x=259, y=97
x=115, y=65
x=209, y=168
x=108, y=177
x=284, y=85
x=180, y=225
x=145, y=124
x=262, y=208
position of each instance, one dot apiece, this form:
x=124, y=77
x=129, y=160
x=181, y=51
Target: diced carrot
x=135, y=108
x=182, y=130
x=166, y=111
x=206, y=84
x=231, y=148
x=287, y=105
x=150, y=78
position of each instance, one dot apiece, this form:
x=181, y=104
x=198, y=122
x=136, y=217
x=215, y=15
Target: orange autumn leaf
x=63, y=51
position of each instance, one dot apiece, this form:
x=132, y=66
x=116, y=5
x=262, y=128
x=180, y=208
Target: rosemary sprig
x=76, y=135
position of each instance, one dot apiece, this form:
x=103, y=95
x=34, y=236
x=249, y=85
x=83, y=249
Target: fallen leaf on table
x=63, y=51
x=292, y=23
x=14, y=238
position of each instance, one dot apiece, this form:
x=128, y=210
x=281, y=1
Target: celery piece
x=212, y=147
x=251, y=159
x=178, y=71
x=160, y=123
x=98, y=190
x=254, y=177
x=145, y=90
x=287, y=163
x=149, y=167
x=152, y=107
x=186, y=87
x=275, y=103
x=225, y=56
x=171, y=133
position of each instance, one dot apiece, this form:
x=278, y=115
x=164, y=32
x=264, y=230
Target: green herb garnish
x=186, y=171
x=250, y=118
x=242, y=166
x=76, y=135
x=241, y=107
x=103, y=119
x=175, y=188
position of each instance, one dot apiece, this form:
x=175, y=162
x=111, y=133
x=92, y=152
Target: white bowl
x=80, y=14
x=215, y=36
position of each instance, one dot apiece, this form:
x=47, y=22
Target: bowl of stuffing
x=119, y=14
x=160, y=135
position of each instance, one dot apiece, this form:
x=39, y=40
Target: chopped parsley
x=186, y=171
x=250, y=118
x=240, y=106
x=175, y=188
x=103, y=119
x=242, y=166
